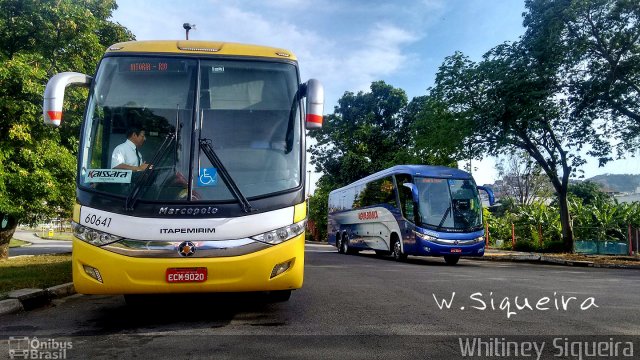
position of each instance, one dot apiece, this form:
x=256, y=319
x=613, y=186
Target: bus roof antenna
x=188, y=27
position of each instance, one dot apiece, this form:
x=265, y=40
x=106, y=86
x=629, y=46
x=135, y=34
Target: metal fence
x=587, y=240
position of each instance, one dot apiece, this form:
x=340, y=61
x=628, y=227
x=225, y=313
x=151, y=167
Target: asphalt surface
x=354, y=307
x=38, y=246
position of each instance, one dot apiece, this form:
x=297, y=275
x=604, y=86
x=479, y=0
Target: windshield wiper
x=446, y=213
x=147, y=174
x=207, y=148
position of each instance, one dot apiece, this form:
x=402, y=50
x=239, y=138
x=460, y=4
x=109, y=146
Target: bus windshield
x=247, y=110
x=449, y=204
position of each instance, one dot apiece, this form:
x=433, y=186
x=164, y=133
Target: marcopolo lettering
x=193, y=211
x=368, y=215
x=188, y=231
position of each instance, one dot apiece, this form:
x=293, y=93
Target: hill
x=627, y=183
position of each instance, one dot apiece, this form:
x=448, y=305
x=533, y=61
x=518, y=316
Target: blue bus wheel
x=398, y=255
x=451, y=259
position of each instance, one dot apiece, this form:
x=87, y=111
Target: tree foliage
x=508, y=102
x=364, y=134
x=39, y=38
x=548, y=93
x=598, y=42
x=588, y=193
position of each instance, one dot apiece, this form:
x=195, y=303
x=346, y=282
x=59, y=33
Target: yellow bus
x=191, y=169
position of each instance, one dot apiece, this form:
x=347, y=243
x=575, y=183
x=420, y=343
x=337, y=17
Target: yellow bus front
x=128, y=266
x=191, y=168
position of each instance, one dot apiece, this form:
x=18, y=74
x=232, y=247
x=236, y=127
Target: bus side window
x=406, y=198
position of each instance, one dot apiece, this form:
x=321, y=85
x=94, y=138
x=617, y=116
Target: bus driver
x=126, y=155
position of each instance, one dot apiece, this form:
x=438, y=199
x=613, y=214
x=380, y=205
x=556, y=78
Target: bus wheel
x=339, y=245
x=278, y=296
x=344, y=245
x=397, y=253
x=137, y=300
x=451, y=259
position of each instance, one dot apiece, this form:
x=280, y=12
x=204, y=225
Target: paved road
x=38, y=246
x=355, y=307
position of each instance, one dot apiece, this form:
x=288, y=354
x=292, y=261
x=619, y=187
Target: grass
x=38, y=272
x=17, y=243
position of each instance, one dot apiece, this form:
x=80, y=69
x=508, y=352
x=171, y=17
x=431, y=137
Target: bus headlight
x=479, y=239
x=281, y=235
x=425, y=236
x=92, y=236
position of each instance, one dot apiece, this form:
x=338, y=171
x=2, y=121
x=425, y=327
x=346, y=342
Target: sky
x=347, y=44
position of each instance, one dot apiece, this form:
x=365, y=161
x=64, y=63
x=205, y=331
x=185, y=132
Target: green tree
x=440, y=135
x=588, y=192
x=318, y=204
x=39, y=38
x=364, y=134
x=599, y=45
x=509, y=101
x=576, y=65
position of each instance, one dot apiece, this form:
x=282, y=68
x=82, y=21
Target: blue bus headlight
x=93, y=236
x=281, y=235
x=425, y=236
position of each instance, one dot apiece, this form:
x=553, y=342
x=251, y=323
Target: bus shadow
x=416, y=260
x=183, y=311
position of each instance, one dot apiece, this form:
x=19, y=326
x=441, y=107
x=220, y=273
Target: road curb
x=551, y=260
x=10, y=306
x=60, y=291
x=28, y=299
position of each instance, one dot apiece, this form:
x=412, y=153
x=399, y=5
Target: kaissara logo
x=368, y=215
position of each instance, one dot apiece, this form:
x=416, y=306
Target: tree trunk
x=565, y=221
x=8, y=226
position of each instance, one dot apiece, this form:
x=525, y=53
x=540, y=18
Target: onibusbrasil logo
x=23, y=347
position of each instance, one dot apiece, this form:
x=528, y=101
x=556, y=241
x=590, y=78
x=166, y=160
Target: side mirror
x=489, y=192
x=314, y=91
x=54, y=94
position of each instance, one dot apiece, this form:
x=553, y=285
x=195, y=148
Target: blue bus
x=410, y=210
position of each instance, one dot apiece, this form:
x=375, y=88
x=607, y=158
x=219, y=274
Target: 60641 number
x=97, y=220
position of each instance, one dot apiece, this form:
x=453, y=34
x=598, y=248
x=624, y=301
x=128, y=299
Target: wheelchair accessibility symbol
x=208, y=177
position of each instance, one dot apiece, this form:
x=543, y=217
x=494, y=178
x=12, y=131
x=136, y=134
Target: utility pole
x=187, y=27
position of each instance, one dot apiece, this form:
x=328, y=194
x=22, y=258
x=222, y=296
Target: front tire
x=397, y=253
x=339, y=244
x=344, y=245
x=278, y=296
x=451, y=259
x=141, y=301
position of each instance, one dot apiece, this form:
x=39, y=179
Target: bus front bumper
x=429, y=248
x=120, y=274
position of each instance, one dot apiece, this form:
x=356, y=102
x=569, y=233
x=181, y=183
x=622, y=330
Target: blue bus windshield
x=449, y=204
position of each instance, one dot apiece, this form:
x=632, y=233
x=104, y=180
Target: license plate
x=456, y=250
x=185, y=275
